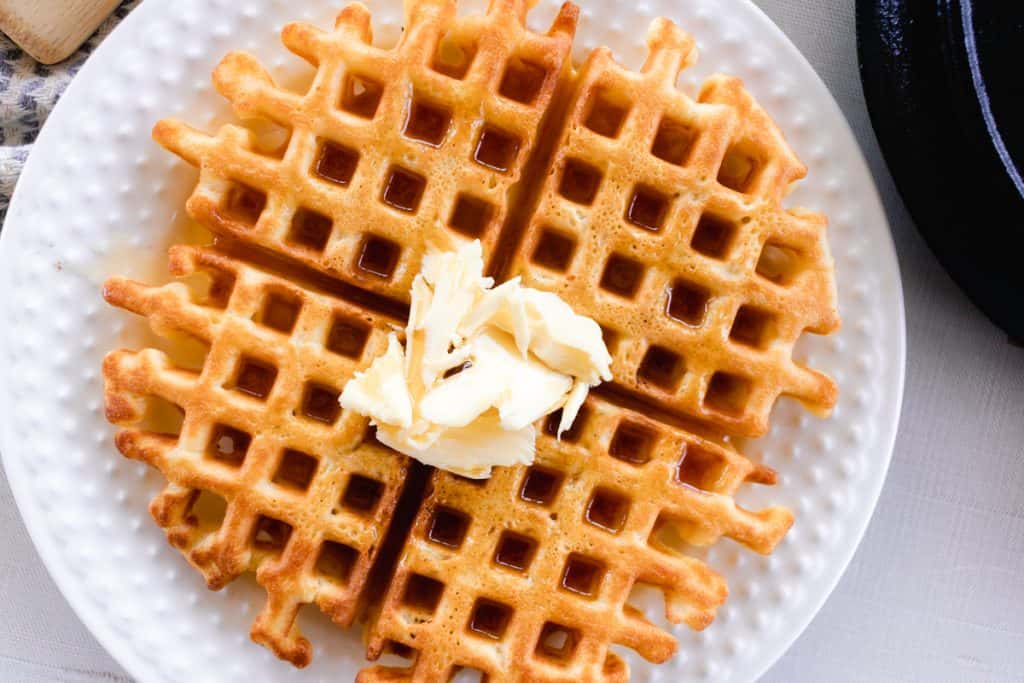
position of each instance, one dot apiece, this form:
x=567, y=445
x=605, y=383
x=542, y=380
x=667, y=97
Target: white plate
x=97, y=197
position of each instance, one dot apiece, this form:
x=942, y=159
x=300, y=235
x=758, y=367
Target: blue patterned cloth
x=28, y=92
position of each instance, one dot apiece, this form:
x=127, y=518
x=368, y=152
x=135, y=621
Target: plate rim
x=892, y=428
x=70, y=589
x=74, y=591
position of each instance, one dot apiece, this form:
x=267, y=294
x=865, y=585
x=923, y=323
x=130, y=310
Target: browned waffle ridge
x=266, y=473
x=527, y=576
x=661, y=218
x=389, y=149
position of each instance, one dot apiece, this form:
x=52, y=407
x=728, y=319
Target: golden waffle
x=661, y=218
x=267, y=473
x=527, y=576
x=386, y=145
x=658, y=215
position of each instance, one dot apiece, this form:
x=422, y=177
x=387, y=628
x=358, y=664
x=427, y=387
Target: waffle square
x=265, y=472
x=527, y=575
x=661, y=218
x=390, y=149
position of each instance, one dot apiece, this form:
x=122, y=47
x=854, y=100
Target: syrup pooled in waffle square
x=527, y=575
x=266, y=473
x=390, y=149
x=661, y=218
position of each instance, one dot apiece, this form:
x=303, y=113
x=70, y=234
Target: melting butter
x=480, y=365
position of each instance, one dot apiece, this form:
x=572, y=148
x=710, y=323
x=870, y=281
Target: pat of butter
x=472, y=450
x=522, y=389
x=479, y=367
x=381, y=390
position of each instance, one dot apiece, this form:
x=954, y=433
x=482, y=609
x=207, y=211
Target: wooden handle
x=50, y=30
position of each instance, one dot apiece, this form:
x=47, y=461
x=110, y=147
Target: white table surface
x=936, y=590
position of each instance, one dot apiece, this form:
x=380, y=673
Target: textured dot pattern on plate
x=265, y=472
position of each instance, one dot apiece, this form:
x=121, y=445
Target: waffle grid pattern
x=657, y=215
x=563, y=542
x=386, y=145
x=701, y=280
x=299, y=495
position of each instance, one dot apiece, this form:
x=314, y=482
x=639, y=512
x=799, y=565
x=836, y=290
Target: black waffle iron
x=944, y=82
